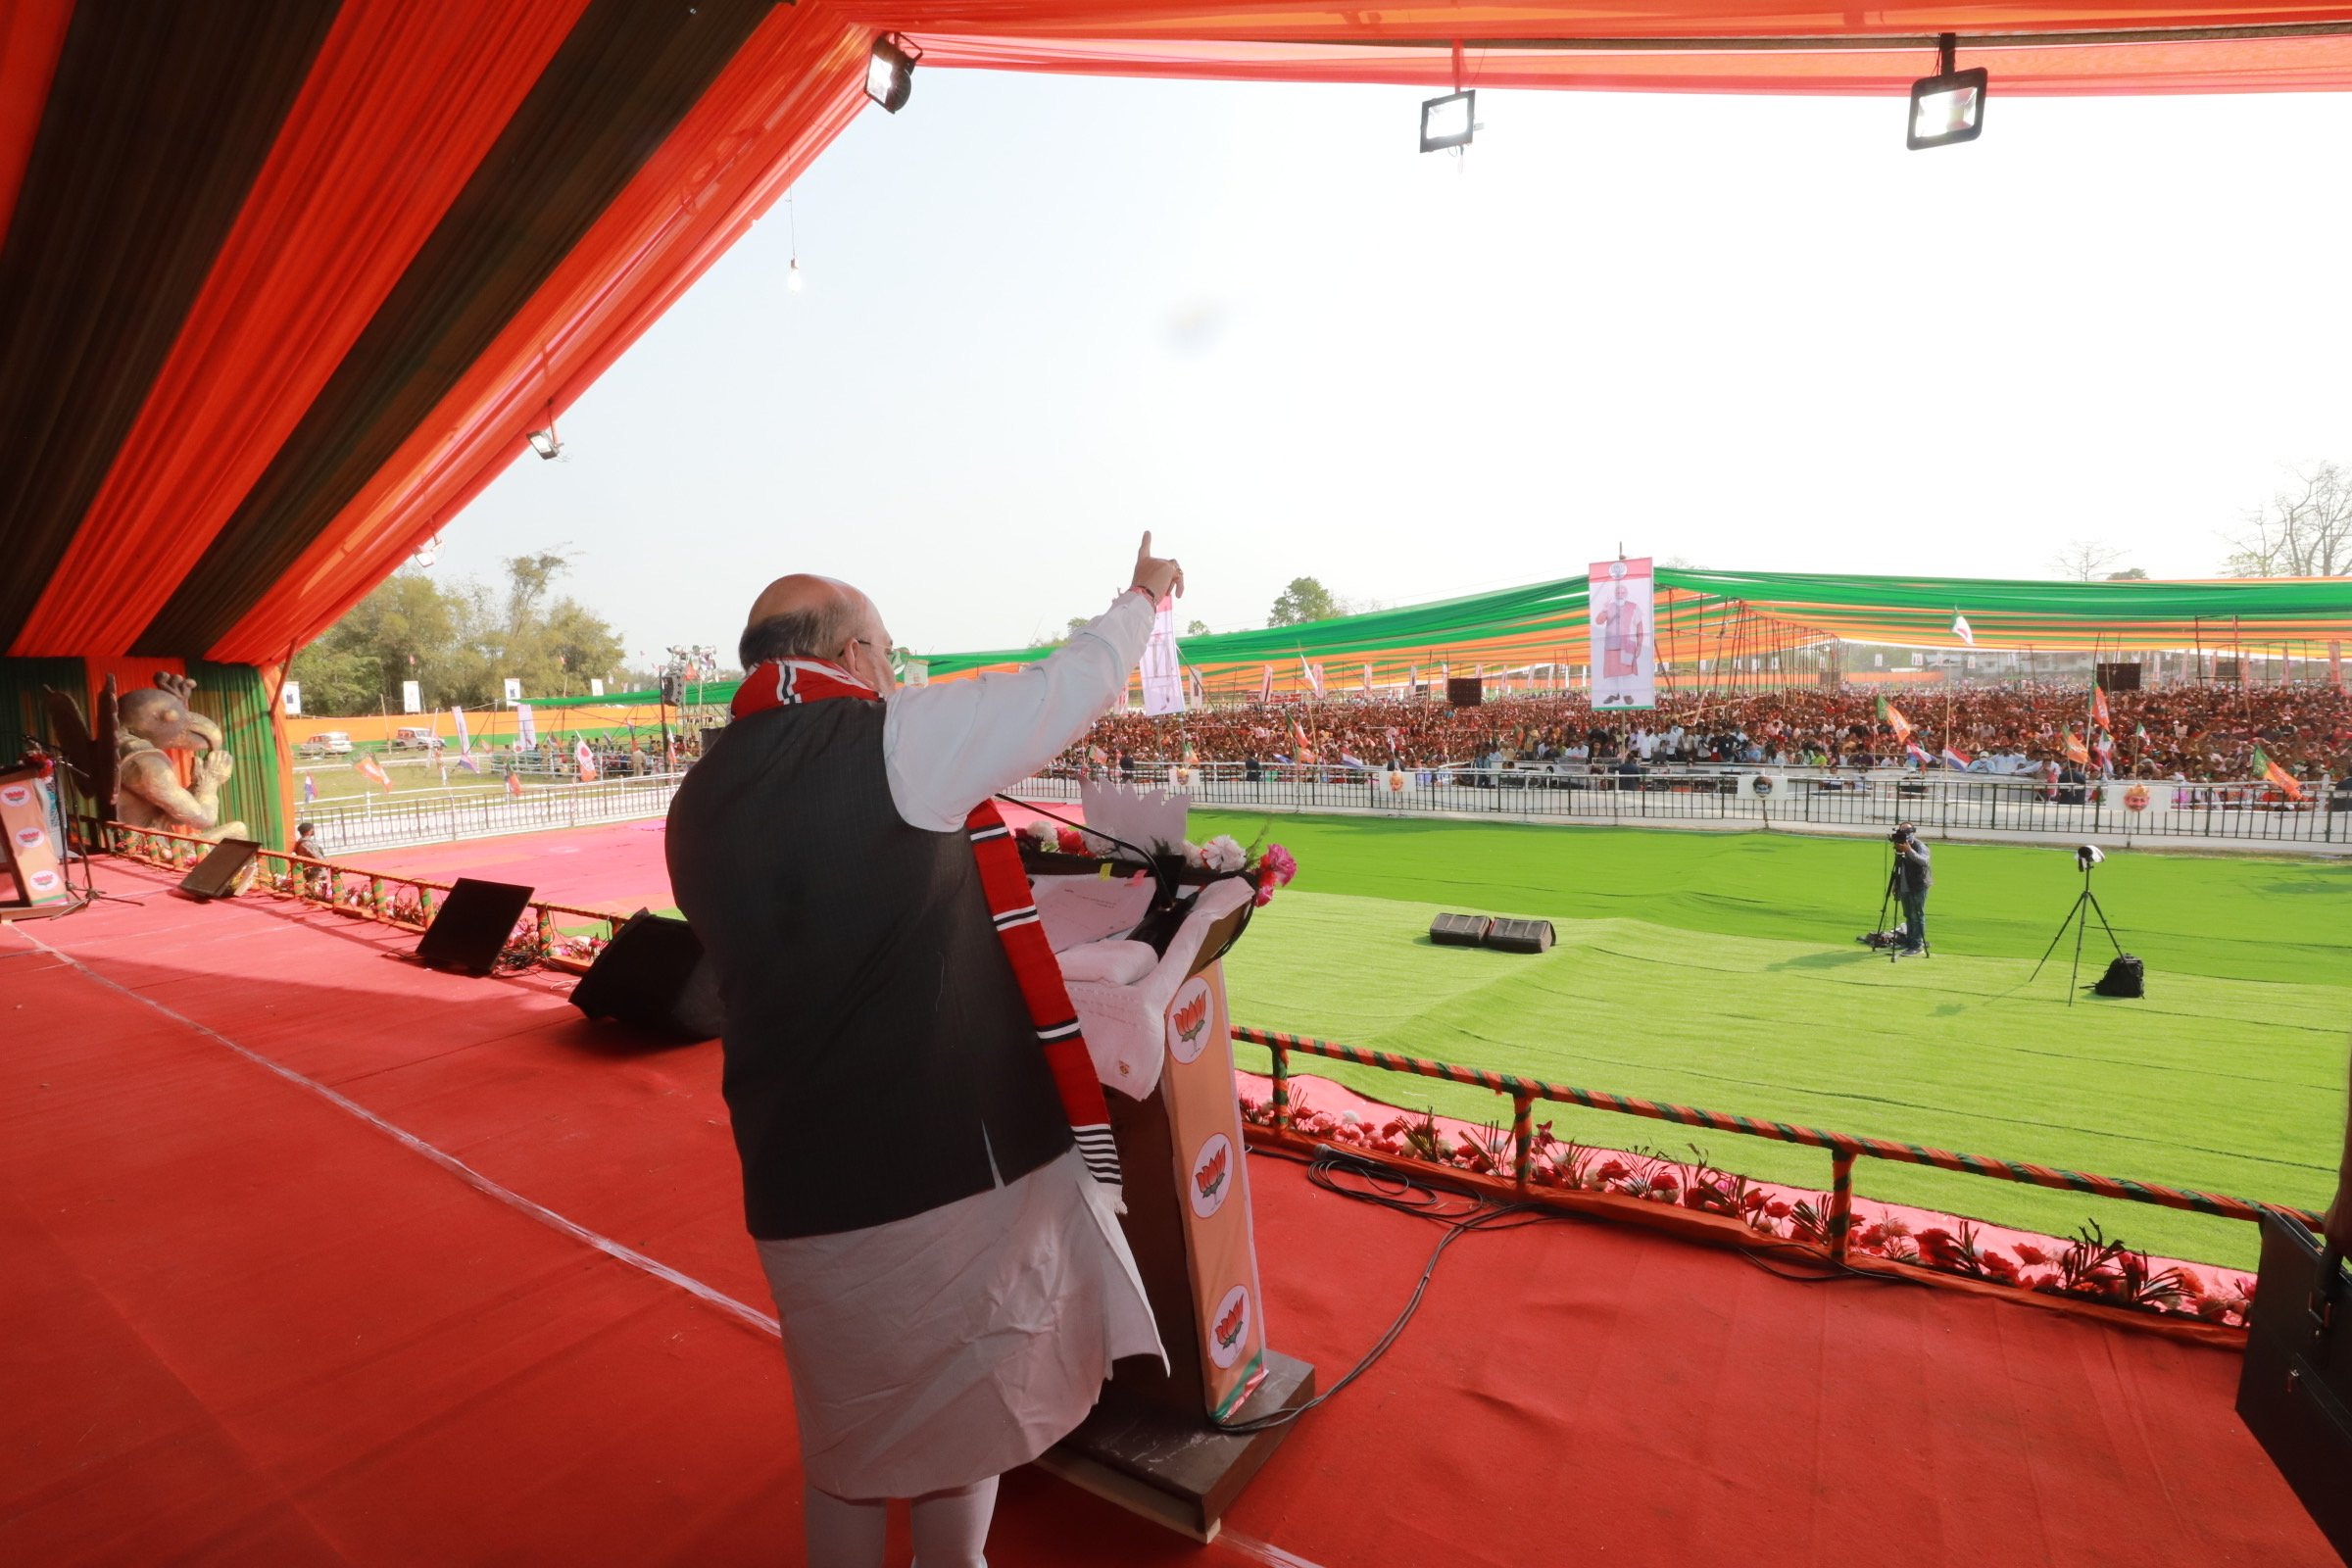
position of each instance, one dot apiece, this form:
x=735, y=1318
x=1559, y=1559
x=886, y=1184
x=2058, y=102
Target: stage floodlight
x=888, y=76
x=1950, y=106
x=545, y=443
x=1448, y=121
x=792, y=276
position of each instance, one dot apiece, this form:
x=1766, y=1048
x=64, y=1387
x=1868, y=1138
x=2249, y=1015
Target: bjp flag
x=2278, y=775
x=2074, y=749
x=369, y=768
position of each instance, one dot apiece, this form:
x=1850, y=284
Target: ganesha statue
x=151, y=722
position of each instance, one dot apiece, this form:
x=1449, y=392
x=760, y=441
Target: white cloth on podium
x=1114, y=962
x=1126, y=1025
x=935, y=1351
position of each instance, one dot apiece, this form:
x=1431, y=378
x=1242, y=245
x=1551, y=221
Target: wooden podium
x=1153, y=1442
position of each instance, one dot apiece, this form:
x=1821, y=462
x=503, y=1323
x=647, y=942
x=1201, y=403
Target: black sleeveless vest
x=878, y=1053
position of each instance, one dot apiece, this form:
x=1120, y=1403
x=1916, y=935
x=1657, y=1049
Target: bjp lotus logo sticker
x=1188, y=1021
x=15, y=795
x=30, y=838
x=1230, y=1327
x=44, y=882
x=1212, y=1175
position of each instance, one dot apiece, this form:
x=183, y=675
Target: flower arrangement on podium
x=1054, y=848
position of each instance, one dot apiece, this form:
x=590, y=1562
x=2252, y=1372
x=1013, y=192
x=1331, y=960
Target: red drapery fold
x=399, y=109
x=31, y=33
x=783, y=99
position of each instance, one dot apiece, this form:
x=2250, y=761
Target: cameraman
x=1913, y=876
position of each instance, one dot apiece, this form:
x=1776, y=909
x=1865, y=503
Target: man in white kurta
x=933, y=1350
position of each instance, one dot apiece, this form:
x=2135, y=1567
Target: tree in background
x=457, y=643
x=2129, y=574
x=2306, y=530
x=1305, y=599
x=2087, y=561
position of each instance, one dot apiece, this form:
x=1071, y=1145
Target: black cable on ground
x=1460, y=1211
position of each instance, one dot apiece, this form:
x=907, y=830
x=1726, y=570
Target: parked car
x=327, y=743
x=415, y=740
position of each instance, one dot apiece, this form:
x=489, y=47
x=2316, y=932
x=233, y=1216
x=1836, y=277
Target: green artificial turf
x=1721, y=971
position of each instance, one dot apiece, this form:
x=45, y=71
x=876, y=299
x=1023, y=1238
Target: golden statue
x=156, y=720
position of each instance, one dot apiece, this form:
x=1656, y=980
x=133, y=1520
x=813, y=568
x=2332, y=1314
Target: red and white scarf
x=786, y=682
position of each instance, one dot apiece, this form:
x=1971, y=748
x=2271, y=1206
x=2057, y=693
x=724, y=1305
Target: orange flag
x=2277, y=775
x=2076, y=750
x=369, y=768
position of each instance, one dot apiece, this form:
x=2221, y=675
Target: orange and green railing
x=1843, y=1148
x=562, y=936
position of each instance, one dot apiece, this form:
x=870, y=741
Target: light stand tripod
x=2086, y=856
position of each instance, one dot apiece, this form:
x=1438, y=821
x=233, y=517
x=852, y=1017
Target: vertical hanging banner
x=412, y=696
x=1163, y=673
x=1625, y=664
x=291, y=692
x=1205, y=1120
x=526, y=728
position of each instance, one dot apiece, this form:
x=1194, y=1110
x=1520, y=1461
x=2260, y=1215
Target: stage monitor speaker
x=218, y=874
x=1465, y=691
x=1460, y=930
x=472, y=928
x=1520, y=936
x=2118, y=677
x=653, y=975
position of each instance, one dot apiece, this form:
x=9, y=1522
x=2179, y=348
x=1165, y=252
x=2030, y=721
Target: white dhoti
x=940, y=1350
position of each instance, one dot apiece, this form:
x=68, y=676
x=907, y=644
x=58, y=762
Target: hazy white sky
x=1043, y=314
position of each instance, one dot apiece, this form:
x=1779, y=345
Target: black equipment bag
x=2295, y=1393
x=2126, y=976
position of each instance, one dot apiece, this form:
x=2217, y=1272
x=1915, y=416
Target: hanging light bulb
x=792, y=216
x=792, y=278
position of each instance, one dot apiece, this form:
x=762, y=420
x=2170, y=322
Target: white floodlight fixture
x=545, y=442
x=1448, y=121
x=1950, y=106
x=890, y=74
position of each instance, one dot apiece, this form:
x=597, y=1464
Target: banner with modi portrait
x=1624, y=631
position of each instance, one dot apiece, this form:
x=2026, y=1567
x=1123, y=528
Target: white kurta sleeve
x=949, y=747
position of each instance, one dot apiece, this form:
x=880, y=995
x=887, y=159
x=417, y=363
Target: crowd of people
x=2199, y=733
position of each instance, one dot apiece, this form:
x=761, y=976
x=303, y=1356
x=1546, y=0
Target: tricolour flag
x=1962, y=630
x=2277, y=775
x=1919, y=753
x=1953, y=757
x=585, y=758
x=466, y=761
x=310, y=790
x=369, y=768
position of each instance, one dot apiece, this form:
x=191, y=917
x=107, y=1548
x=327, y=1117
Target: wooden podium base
x=1176, y=1469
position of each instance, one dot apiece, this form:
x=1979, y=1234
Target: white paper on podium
x=1126, y=1026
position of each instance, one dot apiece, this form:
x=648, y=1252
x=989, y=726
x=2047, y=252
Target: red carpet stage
x=314, y=1256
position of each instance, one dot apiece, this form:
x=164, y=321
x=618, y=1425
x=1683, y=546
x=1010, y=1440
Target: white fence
x=1777, y=798
x=1792, y=800
x=426, y=816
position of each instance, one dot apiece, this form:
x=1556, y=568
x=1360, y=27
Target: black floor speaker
x=653, y=975
x=1460, y=930
x=1520, y=936
x=2294, y=1391
x=222, y=867
x=473, y=927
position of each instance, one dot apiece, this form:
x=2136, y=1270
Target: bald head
x=808, y=617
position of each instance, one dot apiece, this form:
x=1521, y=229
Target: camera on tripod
x=2088, y=855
